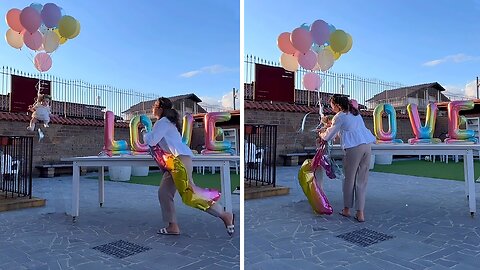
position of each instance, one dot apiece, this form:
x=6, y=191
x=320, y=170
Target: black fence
x=16, y=166
x=260, y=151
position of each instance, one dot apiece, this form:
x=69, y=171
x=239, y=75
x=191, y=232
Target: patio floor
x=46, y=238
x=411, y=223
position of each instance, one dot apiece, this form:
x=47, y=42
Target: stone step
x=257, y=192
x=9, y=203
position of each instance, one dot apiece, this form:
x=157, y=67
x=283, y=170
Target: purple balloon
x=30, y=19
x=312, y=81
x=33, y=40
x=51, y=14
x=301, y=39
x=307, y=60
x=320, y=32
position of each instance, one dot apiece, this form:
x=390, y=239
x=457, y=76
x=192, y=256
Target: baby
x=40, y=112
x=325, y=122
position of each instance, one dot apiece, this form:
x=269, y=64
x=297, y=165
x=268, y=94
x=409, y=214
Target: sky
x=410, y=41
x=162, y=47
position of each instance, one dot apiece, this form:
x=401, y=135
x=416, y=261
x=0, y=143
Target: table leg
x=471, y=183
x=75, y=191
x=101, y=184
x=226, y=186
x=465, y=173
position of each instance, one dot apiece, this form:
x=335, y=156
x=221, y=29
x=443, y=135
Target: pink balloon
x=51, y=14
x=354, y=103
x=301, y=39
x=312, y=81
x=30, y=19
x=13, y=19
x=33, y=41
x=320, y=32
x=43, y=62
x=284, y=43
x=307, y=60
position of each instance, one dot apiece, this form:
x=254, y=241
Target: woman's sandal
x=165, y=232
x=231, y=228
x=342, y=214
x=359, y=220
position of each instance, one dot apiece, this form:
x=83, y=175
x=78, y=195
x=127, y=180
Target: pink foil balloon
x=111, y=146
x=13, y=20
x=284, y=43
x=314, y=193
x=301, y=39
x=33, y=40
x=30, y=19
x=307, y=60
x=43, y=62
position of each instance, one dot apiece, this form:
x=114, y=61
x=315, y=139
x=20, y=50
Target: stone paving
x=428, y=218
x=46, y=238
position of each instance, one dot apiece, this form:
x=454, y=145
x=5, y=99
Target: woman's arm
x=153, y=137
x=332, y=130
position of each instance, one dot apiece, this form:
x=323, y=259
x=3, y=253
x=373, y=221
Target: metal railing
x=260, y=151
x=16, y=166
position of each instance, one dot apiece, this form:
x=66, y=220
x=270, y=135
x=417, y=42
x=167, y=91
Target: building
x=183, y=104
x=399, y=98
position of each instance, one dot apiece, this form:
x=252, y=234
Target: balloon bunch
x=314, y=47
x=42, y=28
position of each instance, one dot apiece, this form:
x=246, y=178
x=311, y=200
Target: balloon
x=349, y=44
x=301, y=39
x=312, y=81
x=289, y=62
x=30, y=19
x=336, y=55
x=331, y=28
x=14, y=39
x=284, y=43
x=193, y=196
x=111, y=146
x=51, y=41
x=77, y=31
x=37, y=6
x=321, y=159
x=423, y=134
x=43, y=29
x=325, y=59
x=51, y=15
x=382, y=136
x=33, y=40
x=314, y=193
x=67, y=26
x=338, y=40
x=43, y=62
x=13, y=20
x=137, y=147
x=455, y=134
x=354, y=103
x=187, y=129
x=317, y=48
x=62, y=39
x=307, y=60
x=211, y=142
x=305, y=26
x=320, y=32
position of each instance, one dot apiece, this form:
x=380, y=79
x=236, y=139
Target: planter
x=372, y=162
x=383, y=159
x=140, y=170
x=119, y=173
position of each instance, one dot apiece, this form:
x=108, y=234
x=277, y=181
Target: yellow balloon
x=336, y=55
x=349, y=44
x=338, y=40
x=77, y=31
x=67, y=26
x=62, y=39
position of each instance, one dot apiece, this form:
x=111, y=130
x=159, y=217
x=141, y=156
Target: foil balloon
x=423, y=134
x=211, y=143
x=137, y=147
x=385, y=136
x=187, y=129
x=321, y=159
x=193, y=196
x=314, y=193
x=111, y=146
x=455, y=134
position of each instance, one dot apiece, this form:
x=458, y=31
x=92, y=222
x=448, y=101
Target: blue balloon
x=306, y=26
x=332, y=28
x=37, y=6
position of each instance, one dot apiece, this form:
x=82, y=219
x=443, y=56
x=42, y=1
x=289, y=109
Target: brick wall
x=289, y=139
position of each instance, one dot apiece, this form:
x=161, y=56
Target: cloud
x=456, y=58
x=219, y=104
x=214, y=69
x=458, y=92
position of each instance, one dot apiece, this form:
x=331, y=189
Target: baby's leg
x=45, y=123
x=31, y=127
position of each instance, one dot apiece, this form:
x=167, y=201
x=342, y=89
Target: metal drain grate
x=365, y=237
x=121, y=249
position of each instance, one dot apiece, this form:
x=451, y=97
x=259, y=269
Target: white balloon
x=289, y=62
x=325, y=59
x=51, y=41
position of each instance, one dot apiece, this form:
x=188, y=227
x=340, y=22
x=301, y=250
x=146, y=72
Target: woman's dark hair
x=344, y=104
x=169, y=112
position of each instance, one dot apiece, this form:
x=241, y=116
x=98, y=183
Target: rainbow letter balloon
x=423, y=134
x=455, y=134
x=212, y=146
x=382, y=136
x=315, y=195
x=187, y=129
x=112, y=147
x=137, y=147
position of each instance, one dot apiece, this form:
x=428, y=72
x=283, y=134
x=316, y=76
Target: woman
x=166, y=134
x=355, y=139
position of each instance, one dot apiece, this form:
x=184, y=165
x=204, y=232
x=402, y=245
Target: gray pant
x=355, y=165
x=167, y=190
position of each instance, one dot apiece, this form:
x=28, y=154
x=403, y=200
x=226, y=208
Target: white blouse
x=351, y=128
x=165, y=134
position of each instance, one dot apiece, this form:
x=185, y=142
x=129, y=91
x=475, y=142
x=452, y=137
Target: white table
x=144, y=160
x=465, y=150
